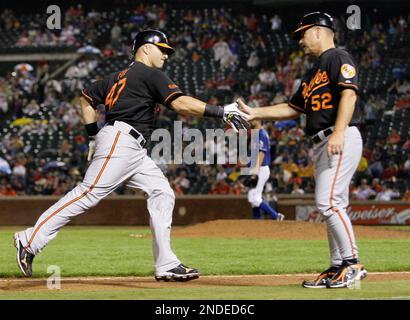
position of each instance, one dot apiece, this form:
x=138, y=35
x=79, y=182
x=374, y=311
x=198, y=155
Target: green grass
x=81, y=251
x=111, y=251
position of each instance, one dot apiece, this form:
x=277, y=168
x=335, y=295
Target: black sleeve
x=297, y=101
x=163, y=88
x=343, y=72
x=96, y=92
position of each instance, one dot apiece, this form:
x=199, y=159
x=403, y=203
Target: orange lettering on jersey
x=172, y=86
x=122, y=73
x=110, y=100
x=321, y=101
x=319, y=80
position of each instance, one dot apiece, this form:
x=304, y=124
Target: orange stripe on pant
x=347, y=230
x=79, y=197
x=337, y=211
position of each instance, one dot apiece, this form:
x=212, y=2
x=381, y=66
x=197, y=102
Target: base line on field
x=127, y=278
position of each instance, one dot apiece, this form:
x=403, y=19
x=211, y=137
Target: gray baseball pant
x=333, y=176
x=118, y=158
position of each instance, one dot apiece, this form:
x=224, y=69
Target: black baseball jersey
x=319, y=93
x=131, y=95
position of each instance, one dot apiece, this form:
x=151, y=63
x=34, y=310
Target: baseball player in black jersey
x=130, y=97
x=328, y=98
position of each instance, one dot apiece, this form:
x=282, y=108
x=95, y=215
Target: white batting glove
x=91, y=148
x=235, y=117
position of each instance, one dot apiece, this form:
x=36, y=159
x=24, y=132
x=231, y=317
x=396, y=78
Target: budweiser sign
x=362, y=214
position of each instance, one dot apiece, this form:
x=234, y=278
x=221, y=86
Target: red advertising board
x=375, y=214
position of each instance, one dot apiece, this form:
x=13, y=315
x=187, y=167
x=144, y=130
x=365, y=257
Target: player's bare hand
x=335, y=143
x=246, y=109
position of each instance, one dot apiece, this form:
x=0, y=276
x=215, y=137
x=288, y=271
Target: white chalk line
x=133, y=278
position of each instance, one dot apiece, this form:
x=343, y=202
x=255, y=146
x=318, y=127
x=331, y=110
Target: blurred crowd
x=236, y=42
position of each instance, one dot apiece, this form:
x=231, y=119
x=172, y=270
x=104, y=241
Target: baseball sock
x=350, y=262
x=256, y=212
x=267, y=208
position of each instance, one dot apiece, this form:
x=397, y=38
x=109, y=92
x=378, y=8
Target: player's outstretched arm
x=280, y=111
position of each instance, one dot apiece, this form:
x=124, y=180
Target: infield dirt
x=271, y=229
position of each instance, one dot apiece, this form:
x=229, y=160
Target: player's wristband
x=92, y=129
x=213, y=111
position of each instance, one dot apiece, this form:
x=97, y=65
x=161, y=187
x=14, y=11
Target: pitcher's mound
x=270, y=229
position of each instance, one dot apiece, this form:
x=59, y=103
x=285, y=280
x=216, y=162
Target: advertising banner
x=375, y=214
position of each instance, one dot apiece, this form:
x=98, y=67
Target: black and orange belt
x=138, y=136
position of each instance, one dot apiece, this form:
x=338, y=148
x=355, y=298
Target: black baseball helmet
x=155, y=37
x=314, y=19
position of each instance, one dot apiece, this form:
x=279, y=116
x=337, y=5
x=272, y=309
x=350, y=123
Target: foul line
x=91, y=278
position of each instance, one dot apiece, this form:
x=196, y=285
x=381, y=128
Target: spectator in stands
x=195, y=56
x=234, y=174
x=405, y=168
x=393, y=89
x=253, y=60
x=376, y=186
x=393, y=137
x=279, y=98
x=370, y=110
x=276, y=23
x=297, y=190
x=19, y=170
x=268, y=79
x=6, y=189
x=252, y=22
x=221, y=175
x=406, y=146
x=406, y=195
x=182, y=181
x=306, y=172
x=162, y=18
x=375, y=169
x=221, y=187
x=116, y=32
x=362, y=167
x=295, y=179
x=256, y=88
x=364, y=191
x=387, y=194
x=223, y=54
x=23, y=40
x=208, y=41
x=404, y=87
x=390, y=172
x=238, y=188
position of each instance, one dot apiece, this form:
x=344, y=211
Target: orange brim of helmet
x=297, y=32
x=168, y=49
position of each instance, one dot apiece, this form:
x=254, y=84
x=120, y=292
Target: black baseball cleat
x=321, y=280
x=347, y=276
x=179, y=273
x=24, y=258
